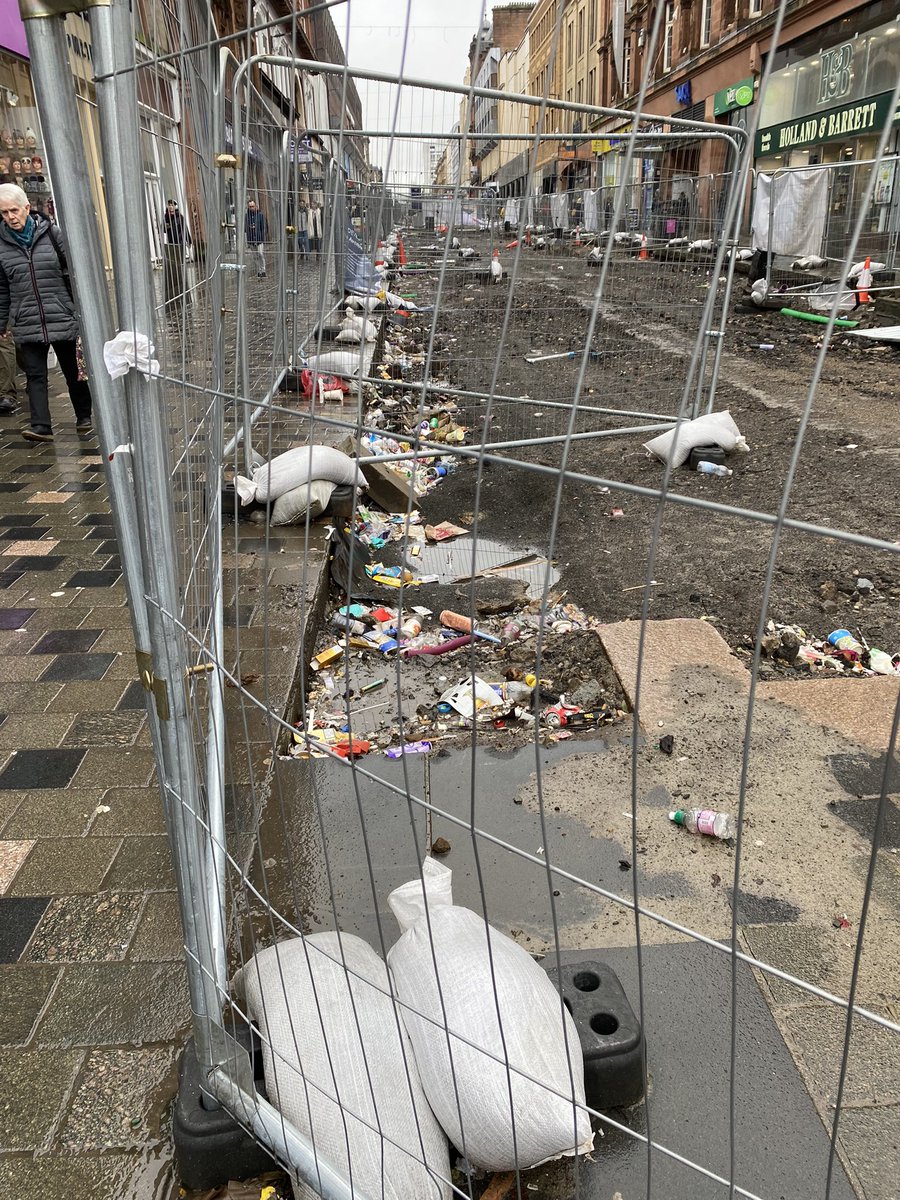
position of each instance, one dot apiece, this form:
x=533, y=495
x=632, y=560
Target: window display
x=21, y=144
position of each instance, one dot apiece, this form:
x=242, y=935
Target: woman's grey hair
x=11, y=193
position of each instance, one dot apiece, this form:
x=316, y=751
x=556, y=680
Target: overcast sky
x=435, y=46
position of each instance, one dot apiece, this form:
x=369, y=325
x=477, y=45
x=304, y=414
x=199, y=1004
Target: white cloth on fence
x=798, y=201
x=129, y=349
x=512, y=212
x=590, y=210
x=559, y=210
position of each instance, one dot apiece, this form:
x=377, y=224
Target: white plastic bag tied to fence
x=794, y=206
x=506, y=1029
x=296, y=467
x=338, y=1065
x=713, y=429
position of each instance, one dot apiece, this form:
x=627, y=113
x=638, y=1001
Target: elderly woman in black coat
x=36, y=298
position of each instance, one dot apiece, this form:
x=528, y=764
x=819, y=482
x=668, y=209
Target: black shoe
x=36, y=435
x=7, y=405
x=84, y=427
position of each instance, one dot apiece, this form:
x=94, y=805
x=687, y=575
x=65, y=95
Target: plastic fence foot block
x=713, y=454
x=610, y=1033
x=210, y=1146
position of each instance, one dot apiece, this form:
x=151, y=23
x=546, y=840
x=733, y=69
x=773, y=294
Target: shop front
x=22, y=157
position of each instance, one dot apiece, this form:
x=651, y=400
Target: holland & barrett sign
x=847, y=121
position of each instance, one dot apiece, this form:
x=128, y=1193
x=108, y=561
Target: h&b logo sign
x=836, y=76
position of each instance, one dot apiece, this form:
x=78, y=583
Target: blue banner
x=360, y=275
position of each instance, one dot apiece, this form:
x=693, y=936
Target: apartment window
x=706, y=23
x=579, y=92
x=626, y=67
x=669, y=34
x=756, y=8
x=592, y=22
x=580, y=32
x=591, y=97
x=570, y=44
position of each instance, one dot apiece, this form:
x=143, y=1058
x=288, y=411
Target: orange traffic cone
x=865, y=281
x=379, y=255
x=644, y=255
x=577, y=235
x=527, y=237
x=401, y=251
x=512, y=245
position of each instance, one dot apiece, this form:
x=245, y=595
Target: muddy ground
x=710, y=565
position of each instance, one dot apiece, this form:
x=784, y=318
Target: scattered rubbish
x=444, y=531
x=667, y=743
x=454, y=620
x=471, y=696
x=818, y=318
x=624, y=864
x=845, y=645
x=762, y=346
x=706, y=821
x=421, y=747
x=617, y=512
x=840, y=921
x=441, y=647
x=716, y=428
x=326, y=657
x=372, y=687
x=440, y=846
x=102, y=808
x=708, y=468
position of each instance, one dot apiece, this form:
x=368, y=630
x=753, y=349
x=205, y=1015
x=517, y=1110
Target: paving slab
x=120, y=1101
x=65, y=866
x=158, y=937
x=110, y=1004
x=34, y=1084
x=24, y=992
x=95, y=928
x=54, y=813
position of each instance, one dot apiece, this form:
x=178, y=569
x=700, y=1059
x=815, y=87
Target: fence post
x=146, y=519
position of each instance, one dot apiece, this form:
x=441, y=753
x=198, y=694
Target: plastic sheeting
x=796, y=202
x=559, y=211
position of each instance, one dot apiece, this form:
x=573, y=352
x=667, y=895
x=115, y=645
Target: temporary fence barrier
x=301, y=756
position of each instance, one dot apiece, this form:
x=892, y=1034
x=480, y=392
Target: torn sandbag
x=712, y=429
x=293, y=506
x=487, y=1027
x=339, y=1067
x=296, y=467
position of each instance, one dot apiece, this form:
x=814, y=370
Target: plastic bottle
x=519, y=691
x=705, y=820
x=846, y=645
x=411, y=628
x=708, y=468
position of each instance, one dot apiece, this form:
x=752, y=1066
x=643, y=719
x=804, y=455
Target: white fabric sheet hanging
x=512, y=212
x=590, y=211
x=559, y=210
x=798, y=202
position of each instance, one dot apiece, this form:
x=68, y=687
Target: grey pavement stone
x=9, y=802
x=24, y=989
x=874, y=1068
x=88, y=1176
x=871, y=1139
x=143, y=864
x=120, y=1100
x=65, y=866
x=108, y=1004
x=800, y=950
x=132, y=811
x=96, y=928
x=27, y=697
x=104, y=729
x=33, y=1086
x=113, y=618
x=87, y=697
x=107, y=767
x=16, y=668
x=158, y=937
x=54, y=813
x=32, y=731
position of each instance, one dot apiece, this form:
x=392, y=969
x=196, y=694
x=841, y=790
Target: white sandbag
x=713, y=429
x=539, y=1035
x=338, y=1065
x=293, y=505
x=345, y=363
x=366, y=303
x=295, y=467
x=351, y=335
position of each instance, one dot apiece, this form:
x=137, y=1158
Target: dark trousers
x=33, y=360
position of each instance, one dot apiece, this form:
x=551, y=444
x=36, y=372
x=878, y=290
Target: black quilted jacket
x=34, y=298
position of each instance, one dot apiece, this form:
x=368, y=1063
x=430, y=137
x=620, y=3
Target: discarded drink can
x=846, y=645
x=411, y=627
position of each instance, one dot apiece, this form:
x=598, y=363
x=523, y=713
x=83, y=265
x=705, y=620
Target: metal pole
x=164, y=665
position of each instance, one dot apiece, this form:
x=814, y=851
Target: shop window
x=22, y=158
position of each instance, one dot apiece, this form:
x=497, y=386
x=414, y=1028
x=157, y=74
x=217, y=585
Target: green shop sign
x=739, y=95
x=849, y=120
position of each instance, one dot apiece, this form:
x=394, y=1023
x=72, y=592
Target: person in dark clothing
x=7, y=377
x=177, y=239
x=256, y=231
x=36, y=296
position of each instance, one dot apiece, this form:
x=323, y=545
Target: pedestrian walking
x=256, y=231
x=8, y=394
x=303, y=229
x=35, y=288
x=314, y=228
x=177, y=238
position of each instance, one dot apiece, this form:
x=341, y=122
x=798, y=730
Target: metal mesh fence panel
x=517, y=648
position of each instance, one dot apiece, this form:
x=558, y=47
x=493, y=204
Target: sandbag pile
x=291, y=480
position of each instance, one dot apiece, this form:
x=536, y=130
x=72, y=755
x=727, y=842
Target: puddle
x=458, y=560
x=375, y=839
